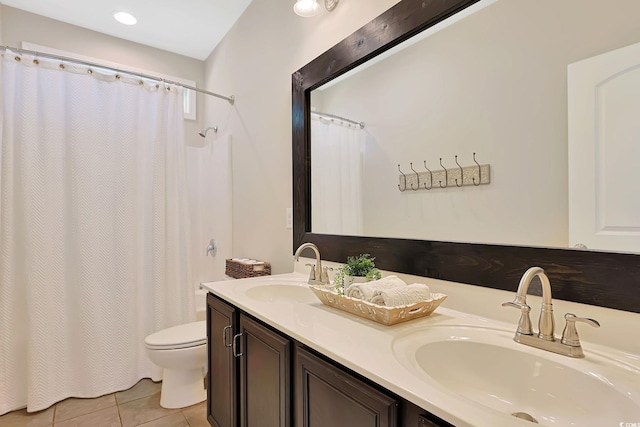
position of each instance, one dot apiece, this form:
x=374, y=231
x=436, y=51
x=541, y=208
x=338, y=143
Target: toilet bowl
x=182, y=353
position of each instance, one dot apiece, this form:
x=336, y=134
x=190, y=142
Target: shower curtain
x=93, y=229
x=336, y=177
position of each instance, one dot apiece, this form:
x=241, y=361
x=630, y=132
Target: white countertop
x=367, y=347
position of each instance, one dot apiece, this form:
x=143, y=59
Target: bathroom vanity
x=259, y=376
x=279, y=357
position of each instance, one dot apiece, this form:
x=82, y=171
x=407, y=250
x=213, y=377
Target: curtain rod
x=333, y=116
x=229, y=99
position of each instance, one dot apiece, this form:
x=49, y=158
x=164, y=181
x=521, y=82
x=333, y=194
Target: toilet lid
x=181, y=336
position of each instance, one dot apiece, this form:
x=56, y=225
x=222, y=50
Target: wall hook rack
x=459, y=176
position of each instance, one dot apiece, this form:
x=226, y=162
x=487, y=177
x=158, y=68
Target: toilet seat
x=181, y=336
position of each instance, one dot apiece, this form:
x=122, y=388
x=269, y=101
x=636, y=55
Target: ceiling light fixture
x=125, y=18
x=308, y=8
x=305, y=8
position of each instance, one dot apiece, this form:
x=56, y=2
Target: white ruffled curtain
x=93, y=229
x=336, y=177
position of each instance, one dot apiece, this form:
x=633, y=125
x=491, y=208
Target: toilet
x=182, y=353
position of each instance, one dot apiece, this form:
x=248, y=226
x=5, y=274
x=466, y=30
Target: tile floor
x=137, y=406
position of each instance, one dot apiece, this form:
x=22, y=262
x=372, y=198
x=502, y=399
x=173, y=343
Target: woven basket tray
x=240, y=270
x=378, y=313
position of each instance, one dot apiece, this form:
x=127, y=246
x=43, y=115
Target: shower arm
x=203, y=133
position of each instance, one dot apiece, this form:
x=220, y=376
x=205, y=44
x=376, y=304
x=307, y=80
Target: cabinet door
x=222, y=401
x=328, y=396
x=264, y=376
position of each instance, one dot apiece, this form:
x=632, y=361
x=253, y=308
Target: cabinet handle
x=224, y=335
x=235, y=345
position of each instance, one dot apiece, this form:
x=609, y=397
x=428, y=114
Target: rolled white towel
x=367, y=290
x=410, y=294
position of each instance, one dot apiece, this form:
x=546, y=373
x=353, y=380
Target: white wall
x=206, y=180
x=254, y=62
x=494, y=83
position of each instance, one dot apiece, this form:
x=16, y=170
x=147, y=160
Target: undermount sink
x=278, y=292
x=487, y=367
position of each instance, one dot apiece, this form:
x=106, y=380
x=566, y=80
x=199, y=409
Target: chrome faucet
x=569, y=345
x=317, y=275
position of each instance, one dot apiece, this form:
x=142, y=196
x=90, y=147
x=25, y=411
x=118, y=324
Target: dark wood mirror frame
x=605, y=279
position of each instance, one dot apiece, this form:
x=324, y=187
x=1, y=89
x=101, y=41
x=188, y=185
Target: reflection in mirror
x=336, y=176
x=495, y=84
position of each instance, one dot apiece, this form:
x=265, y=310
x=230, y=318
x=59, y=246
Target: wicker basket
x=378, y=313
x=242, y=270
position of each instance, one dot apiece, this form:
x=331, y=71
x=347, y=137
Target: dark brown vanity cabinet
x=328, y=396
x=249, y=370
x=259, y=377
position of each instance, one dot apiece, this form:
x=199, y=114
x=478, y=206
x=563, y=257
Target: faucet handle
x=524, y=325
x=516, y=305
x=324, y=276
x=312, y=273
x=570, y=334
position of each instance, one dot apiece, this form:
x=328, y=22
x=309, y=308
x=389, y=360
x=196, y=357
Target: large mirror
x=491, y=80
x=510, y=109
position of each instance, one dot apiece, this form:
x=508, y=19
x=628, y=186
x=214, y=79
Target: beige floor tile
x=145, y=387
x=143, y=410
x=196, y=415
x=72, y=408
x=108, y=417
x=22, y=418
x=173, y=420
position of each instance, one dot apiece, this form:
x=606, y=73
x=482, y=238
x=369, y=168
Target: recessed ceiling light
x=125, y=18
x=306, y=8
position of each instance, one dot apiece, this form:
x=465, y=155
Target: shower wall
x=209, y=174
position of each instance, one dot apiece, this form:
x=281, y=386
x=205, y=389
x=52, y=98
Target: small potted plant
x=359, y=268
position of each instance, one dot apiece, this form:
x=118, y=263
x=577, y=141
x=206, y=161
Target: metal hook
x=461, y=174
x=417, y=177
x=446, y=176
x=430, y=177
x=479, y=172
x=405, y=179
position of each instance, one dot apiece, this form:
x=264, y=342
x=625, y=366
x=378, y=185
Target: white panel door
x=604, y=151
